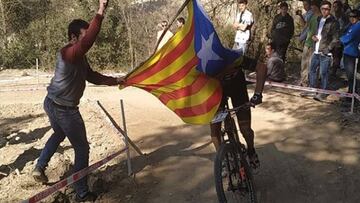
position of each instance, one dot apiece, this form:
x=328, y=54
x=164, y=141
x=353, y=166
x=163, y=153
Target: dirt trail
x=309, y=151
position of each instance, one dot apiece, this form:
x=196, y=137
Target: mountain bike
x=233, y=176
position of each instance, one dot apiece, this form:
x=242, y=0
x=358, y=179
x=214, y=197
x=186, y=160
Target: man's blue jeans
x=66, y=122
x=324, y=62
x=349, y=65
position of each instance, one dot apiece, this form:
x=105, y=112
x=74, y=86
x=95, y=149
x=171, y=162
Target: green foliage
x=33, y=29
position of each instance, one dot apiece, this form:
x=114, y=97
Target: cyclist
x=234, y=86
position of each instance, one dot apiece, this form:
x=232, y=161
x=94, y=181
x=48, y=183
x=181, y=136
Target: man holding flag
x=64, y=92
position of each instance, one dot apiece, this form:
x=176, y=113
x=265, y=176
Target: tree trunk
x=3, y=24
x=127, y=20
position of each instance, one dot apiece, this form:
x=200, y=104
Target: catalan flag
x=179, y=74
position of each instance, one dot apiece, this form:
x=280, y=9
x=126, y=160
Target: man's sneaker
x=89, y=197
x=320, y=97
x=307, y=94
x=39, y=175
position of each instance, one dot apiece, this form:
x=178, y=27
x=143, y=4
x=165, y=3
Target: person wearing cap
x=350, y=41
x=282, y=30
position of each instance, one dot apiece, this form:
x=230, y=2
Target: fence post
x=37, y=70
x=354, y=86
x=126, y=138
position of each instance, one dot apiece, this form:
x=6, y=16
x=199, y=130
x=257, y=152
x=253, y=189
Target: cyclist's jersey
x=246, y=63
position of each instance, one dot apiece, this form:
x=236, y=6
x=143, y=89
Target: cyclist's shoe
x=88, y=197
x=39, y=175
x=254, y=160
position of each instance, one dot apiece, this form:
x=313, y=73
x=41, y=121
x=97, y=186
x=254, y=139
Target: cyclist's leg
x=239, y=96
x=244, y=121
x=215, y=128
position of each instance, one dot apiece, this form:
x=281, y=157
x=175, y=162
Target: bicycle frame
x=239, y=177
x=229, y=127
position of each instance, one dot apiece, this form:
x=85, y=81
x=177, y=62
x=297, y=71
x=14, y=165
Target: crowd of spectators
x=330, y=36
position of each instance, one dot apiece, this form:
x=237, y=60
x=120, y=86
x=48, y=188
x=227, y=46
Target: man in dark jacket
x=64, y=92
x=282, y=30
x=326, y=39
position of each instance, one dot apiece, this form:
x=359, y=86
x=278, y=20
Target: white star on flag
x=206, y=52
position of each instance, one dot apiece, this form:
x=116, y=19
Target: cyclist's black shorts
x=235, y=88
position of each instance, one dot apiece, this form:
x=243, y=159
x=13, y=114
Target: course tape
x=357, y=96
x=308, y=89
x=23, y=89
x=71, y=179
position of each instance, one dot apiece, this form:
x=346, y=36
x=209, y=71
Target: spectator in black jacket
x=282, y=30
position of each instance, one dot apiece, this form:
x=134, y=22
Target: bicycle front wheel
x=233, y=178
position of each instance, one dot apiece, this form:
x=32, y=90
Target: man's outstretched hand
x=256, y=99
x=102, y=6
x=121, y=80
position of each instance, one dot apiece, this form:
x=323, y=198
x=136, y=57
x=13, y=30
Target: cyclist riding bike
x=234, y=86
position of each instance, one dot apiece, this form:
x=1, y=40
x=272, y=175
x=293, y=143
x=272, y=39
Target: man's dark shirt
x=247, y=63
x=282, y=29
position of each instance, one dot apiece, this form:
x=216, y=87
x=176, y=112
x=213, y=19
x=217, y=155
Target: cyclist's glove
x=256, y=99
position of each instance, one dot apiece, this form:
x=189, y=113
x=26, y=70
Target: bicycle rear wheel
x=233, y=178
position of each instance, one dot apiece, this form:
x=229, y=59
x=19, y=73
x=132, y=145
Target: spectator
x=282, y=30
x=275, y=65
x=340, y=16
x=350, y=41
x=304, y=19
x=343, y=24
x=346, y=7
x=180, y=22
x=243, y=23
x=64, y=93
x=309, y=43
x=166, y=37
x=326, y=38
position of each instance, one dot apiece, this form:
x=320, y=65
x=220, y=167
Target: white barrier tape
x=23, y=90
x=357, y=96
x=71, y=179
x=43, y=88
x=308, y=89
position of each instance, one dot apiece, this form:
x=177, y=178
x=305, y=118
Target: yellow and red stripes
x=171, y=75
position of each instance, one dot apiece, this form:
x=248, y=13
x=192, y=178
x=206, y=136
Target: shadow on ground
x=29, y=155
x=300, y=164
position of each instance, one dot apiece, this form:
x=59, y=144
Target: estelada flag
x=179, y=74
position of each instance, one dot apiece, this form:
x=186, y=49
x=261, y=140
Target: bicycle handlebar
x=238, y=108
